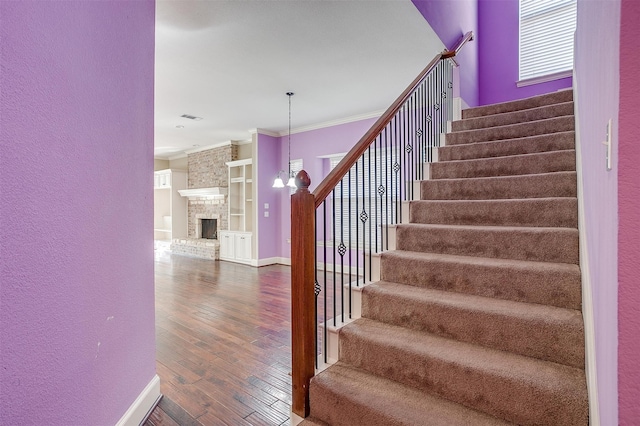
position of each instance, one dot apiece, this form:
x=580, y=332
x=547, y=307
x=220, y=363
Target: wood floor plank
x=223, y=337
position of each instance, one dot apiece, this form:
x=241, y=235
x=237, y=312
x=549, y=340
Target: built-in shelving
x=169, y=208
x=236, y=242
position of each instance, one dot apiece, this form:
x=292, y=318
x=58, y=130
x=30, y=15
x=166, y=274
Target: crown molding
x=264, y=132
x=332, y=123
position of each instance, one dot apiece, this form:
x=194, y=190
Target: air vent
x=191, y=117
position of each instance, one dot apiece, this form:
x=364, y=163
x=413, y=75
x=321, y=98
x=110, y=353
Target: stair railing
x=338, y=230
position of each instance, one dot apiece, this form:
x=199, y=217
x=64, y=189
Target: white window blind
x=363, y=194
x=546, y=37
x=296, y=166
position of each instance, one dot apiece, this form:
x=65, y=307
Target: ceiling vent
x=191, y=117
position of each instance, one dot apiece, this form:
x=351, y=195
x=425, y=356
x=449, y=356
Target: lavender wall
x=498, y=24
x=76, y=163
x=450, y=20
x=269, y=162
x=597, y=89
x=629, y=218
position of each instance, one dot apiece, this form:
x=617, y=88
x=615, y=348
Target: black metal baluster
x=341, y=250
x=334, y=256
x=324, y=319
x=350, y=248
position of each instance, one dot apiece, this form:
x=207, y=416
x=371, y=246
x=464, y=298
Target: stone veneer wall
x=208, y=169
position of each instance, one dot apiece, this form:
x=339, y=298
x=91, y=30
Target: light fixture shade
x=278, y=183
x=292, y=182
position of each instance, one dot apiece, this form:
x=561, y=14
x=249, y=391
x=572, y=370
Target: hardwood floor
x=223, y=341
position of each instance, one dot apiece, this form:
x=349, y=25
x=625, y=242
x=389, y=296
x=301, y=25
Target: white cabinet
x=235, y=246
x=169, y=208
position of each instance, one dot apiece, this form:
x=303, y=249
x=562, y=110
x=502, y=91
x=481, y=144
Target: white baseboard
x=272, y=261
x=142, y=406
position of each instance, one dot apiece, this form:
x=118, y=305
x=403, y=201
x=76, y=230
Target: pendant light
x=278, y=183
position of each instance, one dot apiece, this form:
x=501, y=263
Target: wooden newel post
x=302, y=295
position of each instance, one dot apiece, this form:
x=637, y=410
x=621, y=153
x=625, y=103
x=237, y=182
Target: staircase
x=476, y=319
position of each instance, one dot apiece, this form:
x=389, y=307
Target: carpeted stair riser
x=543, y=162
x=557, y=184
x=346, y=396
x=546, y=212
x=559, y=245
x=543, y=332
x=553, y=284
x=528, y=145
x=511, y=131
x=534, y=102
x=513, y=117
x=518, y=389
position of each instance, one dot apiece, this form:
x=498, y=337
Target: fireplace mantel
x=217, y=192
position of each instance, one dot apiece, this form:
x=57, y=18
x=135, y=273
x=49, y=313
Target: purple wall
x=76, y=163
x=450, y=20
x=498, y=30
x=597, y=89
x=629, y=218
x=269, y=163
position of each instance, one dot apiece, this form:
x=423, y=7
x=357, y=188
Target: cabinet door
x=227, y=245
x=243, y=246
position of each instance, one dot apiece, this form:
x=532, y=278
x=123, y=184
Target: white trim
x=143, y=405
x=544, y=78
x=176, y=157
x=264, y=132
x=587, y=294
x=208, y=147
x=272, y=261
x=337, y=122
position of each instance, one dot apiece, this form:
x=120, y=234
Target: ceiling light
x=278, y=183
x=179, y=126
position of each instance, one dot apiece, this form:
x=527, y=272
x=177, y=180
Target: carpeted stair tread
x=554, y=284
x=546, y=212
x=501, y=148
x=515, y=388
x=558, y=245
x=310, y=421
x=527, y=103
x=544, y=332
x=513, y=117
x=540, y=185
x=530, y=128
x=542, y=162
x=348, y=396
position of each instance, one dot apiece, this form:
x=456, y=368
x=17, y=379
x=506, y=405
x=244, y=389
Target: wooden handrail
x=335, y=176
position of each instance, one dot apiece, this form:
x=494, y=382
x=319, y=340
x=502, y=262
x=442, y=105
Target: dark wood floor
x=223, y=342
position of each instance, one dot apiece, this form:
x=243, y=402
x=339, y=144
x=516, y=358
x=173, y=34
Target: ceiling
x=232, y=62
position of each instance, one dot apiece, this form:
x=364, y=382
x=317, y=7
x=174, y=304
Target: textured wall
x=629, y=218
x=76, y=172
x=450, y=20
x=498, y=36
x=597, y=89
x=209, y=169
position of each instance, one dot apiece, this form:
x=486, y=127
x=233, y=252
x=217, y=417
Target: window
x=546, y=39
x=296, y=166
x=359, y=193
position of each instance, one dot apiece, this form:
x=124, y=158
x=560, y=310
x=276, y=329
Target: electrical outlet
x=266, y=206
x=266, y=214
